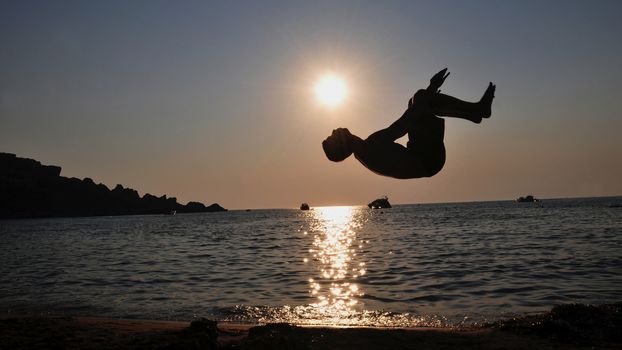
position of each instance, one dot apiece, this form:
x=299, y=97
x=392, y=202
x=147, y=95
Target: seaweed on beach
x=572, y=323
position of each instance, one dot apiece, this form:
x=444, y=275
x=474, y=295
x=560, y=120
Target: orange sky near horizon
x=216, y=103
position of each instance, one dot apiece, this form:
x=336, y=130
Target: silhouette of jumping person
x=424, y=155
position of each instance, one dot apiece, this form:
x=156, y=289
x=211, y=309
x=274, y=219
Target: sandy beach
x=564, y=327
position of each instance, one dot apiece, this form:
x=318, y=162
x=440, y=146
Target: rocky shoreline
x=32, y=190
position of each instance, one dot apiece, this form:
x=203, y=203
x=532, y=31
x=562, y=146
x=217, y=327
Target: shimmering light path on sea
x=430, y=265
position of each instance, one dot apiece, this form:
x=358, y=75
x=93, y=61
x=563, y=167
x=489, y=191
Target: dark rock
x=380, y=203
x=275, y=336
x=304, y=206
x=203, y=325
x=194, y=207
x=572, y=323
x=30, y=190
x=201, y=334
x=215, y=207
x=527, y=199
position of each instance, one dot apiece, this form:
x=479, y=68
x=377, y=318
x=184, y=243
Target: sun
x=331, y=90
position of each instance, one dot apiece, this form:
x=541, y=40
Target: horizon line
x=401, y=204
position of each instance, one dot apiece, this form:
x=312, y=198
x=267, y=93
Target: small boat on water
x=304, y=206
x=380, y=203
x=527, y=199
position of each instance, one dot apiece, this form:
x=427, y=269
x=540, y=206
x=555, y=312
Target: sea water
x=412, y=265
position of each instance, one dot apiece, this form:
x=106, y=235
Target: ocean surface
x=412, y=265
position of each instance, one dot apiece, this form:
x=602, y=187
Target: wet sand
x=565, y=327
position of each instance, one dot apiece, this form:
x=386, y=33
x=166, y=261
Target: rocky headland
x=29, y=189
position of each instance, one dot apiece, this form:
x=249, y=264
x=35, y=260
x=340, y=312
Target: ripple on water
x=431, y=264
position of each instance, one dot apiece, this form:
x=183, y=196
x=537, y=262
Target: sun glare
x=331, y=90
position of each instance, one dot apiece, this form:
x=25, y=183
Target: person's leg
x=426, y=141
x=425, y=154
x=426, y=131
x=449, y=106
x=418, y=108
x=425, y=104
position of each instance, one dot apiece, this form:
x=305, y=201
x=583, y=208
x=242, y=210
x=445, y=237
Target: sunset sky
x=215, y=101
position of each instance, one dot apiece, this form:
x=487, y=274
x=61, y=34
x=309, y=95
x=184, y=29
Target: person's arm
x=400, y=127
x=396, y=130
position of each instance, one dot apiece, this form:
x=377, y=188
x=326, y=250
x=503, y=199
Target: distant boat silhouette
x=304, y=206
x=380, y=203
x=527, y=199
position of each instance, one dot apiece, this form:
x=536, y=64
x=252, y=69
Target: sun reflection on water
x=335, y=251
x=337, y=257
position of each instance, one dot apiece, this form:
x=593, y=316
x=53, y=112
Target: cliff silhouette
x=29, y=189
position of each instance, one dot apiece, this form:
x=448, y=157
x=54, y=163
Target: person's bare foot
x=484, y=105
x=486, y=100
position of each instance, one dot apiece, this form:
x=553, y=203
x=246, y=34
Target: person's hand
x=437, y=80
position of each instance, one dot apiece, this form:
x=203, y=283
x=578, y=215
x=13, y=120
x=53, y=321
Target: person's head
x=337, y=145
